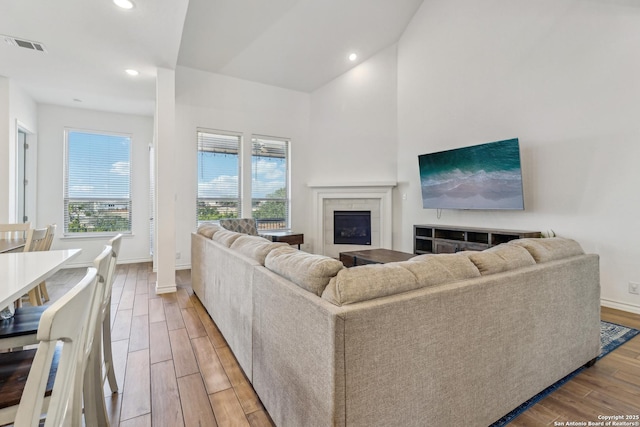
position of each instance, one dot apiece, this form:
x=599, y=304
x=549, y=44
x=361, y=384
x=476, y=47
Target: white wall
x=52, y=120
x=24, y=116
x=353, y=129
x=5, y=157
x=16, y=109
x=213, y=101
x=353, y=124
x=562, y=76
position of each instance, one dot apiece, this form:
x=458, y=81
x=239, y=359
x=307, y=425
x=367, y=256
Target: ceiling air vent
x=26, y=44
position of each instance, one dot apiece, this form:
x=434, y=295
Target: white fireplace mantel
x=383, y=184
x=381, y=191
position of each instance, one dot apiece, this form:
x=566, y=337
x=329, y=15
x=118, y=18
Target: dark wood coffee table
x=373, y=256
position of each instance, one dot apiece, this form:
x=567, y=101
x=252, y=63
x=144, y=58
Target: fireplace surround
x=375, y=197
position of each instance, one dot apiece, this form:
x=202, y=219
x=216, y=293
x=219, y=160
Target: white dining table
x=22, y=271
x=11, y=245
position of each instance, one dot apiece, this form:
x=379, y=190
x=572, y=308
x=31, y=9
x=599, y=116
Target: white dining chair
x=42, y=287
x=94, y=400
x=36, y=238
x=63, y=334
x=36, y=241
x=20, y=332
x=106, y=315
x=14, y=231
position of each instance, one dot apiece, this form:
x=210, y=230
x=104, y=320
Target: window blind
x=97, y=184
x=218, y=176
x=270, y=182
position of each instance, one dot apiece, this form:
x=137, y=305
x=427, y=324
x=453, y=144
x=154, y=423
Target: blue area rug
x=612, y=336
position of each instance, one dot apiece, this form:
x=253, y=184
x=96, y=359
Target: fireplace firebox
x=352, y=227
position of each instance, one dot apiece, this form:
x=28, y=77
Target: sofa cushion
x=500, y=258
x=433, y=269
x=309, y=271
x=544, y=250
x=370, y=281
x=255, y=247
x=457, y=265
x=208, y=230
x=226, y=237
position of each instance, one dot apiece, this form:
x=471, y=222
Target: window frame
x=240, y=138
x=287, y=173
x=67, y=200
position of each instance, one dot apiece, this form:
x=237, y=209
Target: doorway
x=22, y=181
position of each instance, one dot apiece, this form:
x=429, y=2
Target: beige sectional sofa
x=444, y=340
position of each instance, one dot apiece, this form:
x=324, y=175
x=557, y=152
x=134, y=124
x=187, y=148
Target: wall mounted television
x=485, y=176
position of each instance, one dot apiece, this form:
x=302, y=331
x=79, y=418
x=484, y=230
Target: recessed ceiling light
x=125, y=4
x=353, y=57
x=132, y=72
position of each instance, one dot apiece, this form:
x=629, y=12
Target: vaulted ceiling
x=294, y=44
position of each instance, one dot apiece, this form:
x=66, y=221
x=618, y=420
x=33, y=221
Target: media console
x=449, y=239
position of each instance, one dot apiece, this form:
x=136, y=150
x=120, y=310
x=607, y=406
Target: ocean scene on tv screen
x=486, y=176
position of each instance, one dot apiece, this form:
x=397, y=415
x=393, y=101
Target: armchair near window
x=240, y=225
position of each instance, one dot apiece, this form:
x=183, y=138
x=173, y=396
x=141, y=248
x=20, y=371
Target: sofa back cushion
x=500, y=258
x=309, y=271
x=371, y=281
x=549, y=249
x=208, y=230
x=255, y=247
x=225, y=237
x=441, y=268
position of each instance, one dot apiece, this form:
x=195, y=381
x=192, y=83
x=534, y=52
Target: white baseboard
x=166, y=289
x=134, y=261
x=178, y=267
x=632, y=308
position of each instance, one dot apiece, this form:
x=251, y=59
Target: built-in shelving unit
x=449, y=239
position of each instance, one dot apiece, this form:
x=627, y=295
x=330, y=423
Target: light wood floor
x=175, y=369
x=173, y=366
x=610, y=387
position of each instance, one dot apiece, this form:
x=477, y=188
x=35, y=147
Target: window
x=97, y=183
x=270, y=182
x=218, y=176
